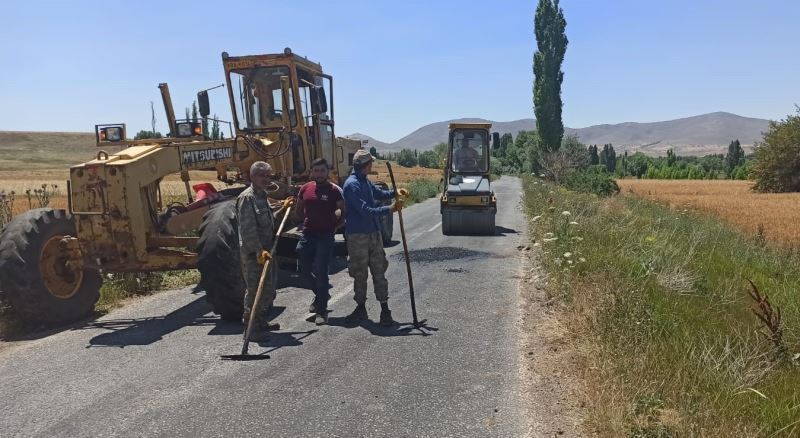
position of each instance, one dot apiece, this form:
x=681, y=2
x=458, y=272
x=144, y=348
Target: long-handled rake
x=416, y=324
x=244, y=355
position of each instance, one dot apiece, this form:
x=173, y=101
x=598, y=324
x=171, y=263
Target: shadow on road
x=279, y=340
x=502, y=231
x=378, y=330
x=145, y=331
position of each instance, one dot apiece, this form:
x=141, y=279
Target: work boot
x=269, y=326
x=321, y=318
x=386, y=316
x=359, y=314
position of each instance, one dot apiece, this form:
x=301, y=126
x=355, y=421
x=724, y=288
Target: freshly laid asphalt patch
x=440, y=254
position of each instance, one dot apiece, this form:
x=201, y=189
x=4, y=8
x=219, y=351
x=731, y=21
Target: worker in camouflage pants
x=255, y=240
x=364, y=242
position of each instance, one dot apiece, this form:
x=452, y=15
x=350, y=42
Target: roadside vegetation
x=672, y=338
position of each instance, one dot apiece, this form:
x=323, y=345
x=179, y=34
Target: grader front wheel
x=38, y=273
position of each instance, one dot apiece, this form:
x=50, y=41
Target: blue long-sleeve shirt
x=361, y=213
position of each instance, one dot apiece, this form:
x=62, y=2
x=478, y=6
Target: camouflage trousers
x=366, y=253
x=251, y=271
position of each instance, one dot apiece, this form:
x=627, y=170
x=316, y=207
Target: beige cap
x=362, y=156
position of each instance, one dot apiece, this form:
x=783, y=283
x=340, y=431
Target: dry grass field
x=777, y=214
x=172, y=187
x=404, y=175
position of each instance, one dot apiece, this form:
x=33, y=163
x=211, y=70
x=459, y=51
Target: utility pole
x=153, y=118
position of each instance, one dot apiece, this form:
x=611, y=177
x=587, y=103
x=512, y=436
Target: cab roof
x=486, y=126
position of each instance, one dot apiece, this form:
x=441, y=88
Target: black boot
x=359, y=314
x=386, y=316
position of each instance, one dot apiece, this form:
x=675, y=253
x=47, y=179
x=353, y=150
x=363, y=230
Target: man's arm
x=354, y=200
x=380, y=194
x=299, y=206
x=300, y=209
x=340, y=207
x=248, y=227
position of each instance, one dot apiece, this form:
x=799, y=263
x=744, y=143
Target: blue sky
x=400, y=65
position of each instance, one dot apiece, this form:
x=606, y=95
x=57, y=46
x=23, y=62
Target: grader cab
x=467, y=203
x=120, y=219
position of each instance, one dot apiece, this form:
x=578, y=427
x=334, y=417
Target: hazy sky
x=399, y=65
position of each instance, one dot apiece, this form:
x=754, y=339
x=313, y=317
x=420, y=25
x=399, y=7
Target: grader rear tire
x=38, y=283
x=219, y=261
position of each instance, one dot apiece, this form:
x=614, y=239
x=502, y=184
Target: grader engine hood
x=468, y=185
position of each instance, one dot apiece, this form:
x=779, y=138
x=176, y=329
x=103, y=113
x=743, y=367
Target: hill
x=20, y=150
x=698, y=135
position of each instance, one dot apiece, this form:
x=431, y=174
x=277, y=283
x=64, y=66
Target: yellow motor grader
x=118, y=218
x=467, y=203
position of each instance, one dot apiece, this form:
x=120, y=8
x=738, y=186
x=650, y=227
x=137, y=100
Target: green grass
x=420, y=190
x=120, y=286
x=659, y=308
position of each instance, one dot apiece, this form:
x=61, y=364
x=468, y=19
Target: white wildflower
x=573, y=223
x=552, y=239
x=582, y=260
x=551, y=209
x=566, y=213
x=558, y=261
x=548, y=234
x=567, y=255
x=537, y=244
x=569, y=261
x=536, y=218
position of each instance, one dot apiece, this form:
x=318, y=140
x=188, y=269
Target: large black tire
x=219, y=261
x=447, y=224
x=22, y=274
x=387, y=228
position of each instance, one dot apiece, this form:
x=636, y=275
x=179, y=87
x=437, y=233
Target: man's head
x=362, y=161
x=259, y=174
x=319, y=170
x=464, y=142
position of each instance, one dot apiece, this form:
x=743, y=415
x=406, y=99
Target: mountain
x=379, y=145
x=698, y=135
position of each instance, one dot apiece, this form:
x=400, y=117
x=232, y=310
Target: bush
x=422, y=189
x=594, y=179
x=777, y=167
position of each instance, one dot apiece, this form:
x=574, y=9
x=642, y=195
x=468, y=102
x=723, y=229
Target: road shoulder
x=549, y=360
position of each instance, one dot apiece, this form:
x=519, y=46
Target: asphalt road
x=152, y=368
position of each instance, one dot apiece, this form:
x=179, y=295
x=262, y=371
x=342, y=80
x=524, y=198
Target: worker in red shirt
x=321, y=207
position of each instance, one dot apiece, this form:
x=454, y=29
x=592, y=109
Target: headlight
x=452, y=200
x=484, y=199
x=185, y=130
x=189, y=129
x=109, y=132
x=113, y=134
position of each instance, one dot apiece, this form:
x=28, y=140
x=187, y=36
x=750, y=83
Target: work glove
x=263, y=257
x=402, y=192
x=397, y=205
x=288, y=201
